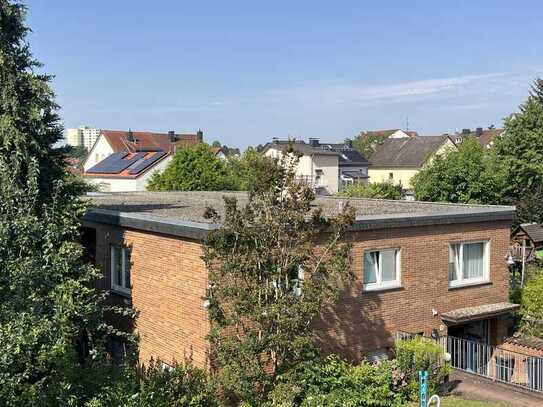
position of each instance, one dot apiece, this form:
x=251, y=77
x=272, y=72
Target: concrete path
x=473, y=387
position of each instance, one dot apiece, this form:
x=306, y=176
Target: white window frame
x=124, y=268
x=461, y=281
x=379, y=284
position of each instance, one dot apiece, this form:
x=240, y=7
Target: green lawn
x=454, y=401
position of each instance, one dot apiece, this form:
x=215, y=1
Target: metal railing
x=492, y=362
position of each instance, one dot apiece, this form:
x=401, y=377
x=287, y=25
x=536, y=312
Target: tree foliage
x=272, y=265
x=521, y=152
x=377, y=190
x=367, y=143
x=47, y=304
x=532, y=305
x=468, y=175
x=192, y=169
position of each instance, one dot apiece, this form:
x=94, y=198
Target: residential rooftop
x=182, y=213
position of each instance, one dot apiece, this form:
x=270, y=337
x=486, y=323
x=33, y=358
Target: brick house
x=420, y=267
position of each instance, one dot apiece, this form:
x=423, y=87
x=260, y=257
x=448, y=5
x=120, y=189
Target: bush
x=377, y=190
x=334, y=382
x=182, y=385
x=421, y=354
x=532, y=305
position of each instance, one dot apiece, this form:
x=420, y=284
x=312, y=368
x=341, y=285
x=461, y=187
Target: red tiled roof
x=148, y=141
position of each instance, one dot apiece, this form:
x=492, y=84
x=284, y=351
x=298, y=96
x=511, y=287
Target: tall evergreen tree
x=47, y=303
x=29, y=123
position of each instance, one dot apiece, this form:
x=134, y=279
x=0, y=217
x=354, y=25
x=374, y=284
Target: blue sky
x=246, y=71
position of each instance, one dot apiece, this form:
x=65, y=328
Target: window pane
x=126, y=254
x=116, y=262
x=370, y=276
x=472, y=265
x=454, y=255
x=388, y=265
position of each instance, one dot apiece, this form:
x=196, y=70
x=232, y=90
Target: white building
x=123, y=161
x=82, y=136
x=327, y=167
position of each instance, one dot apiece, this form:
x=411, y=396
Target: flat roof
x=182, y=213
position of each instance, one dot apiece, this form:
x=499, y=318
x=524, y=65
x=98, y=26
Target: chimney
x=314, y=142
x=172, y=135
x=130, y=136
x=466, y=131
x=275, y=140
x=349, y=143
x=478, y=131
x=200, y=135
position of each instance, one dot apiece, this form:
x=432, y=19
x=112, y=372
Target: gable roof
x=148, y=141
x=532, y=230
x=347, y=155
x=485, y=138
x=126, y=165
x=387, y=133
x=406, y=152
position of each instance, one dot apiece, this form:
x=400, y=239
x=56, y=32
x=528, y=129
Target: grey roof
x=406, y=152
x=300, y=146
x=534, y=231
x=181, y=213
x=478, y=312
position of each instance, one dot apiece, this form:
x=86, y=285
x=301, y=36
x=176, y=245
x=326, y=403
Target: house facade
x=122, y=161
x=399, y=160
x=328, y=167
x=427, y=268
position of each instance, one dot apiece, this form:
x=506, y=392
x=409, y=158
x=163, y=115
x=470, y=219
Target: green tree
x=246, y=171
x=470, y=174
x=47, y=303
x=29, y=123
x=532, y=305
x=377, y=190
x=520, y=149
x=272, y=265
x=193, y=169
x=367, y=143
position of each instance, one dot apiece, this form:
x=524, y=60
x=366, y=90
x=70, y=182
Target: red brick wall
x=168, y=282
x=363, y=321
x=169, y=278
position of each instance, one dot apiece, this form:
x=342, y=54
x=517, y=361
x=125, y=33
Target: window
x=381, y=269
x=468, y=263
x=120, y=269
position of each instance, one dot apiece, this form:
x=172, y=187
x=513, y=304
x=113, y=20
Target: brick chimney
x=200, y=135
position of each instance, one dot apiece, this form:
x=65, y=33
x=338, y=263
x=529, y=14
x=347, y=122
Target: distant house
x=527, y=242
x=391, y=133
x=122, y=161
x=485, y=137
x=398, y=160
x=326, y=166
x=219, y=153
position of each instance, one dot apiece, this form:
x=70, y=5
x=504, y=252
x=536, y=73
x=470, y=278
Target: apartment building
x=82, y=136
x=424, y=268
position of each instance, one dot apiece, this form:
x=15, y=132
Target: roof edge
x=200, y=230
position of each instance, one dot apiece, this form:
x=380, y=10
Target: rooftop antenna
x=407, y=123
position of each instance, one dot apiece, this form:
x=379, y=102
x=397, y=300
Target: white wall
x=99, y=151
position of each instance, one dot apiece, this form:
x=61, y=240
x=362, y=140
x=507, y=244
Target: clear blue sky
x=245, y=71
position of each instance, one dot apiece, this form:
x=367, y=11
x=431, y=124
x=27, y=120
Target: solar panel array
x=116, y=163
x=139, y=166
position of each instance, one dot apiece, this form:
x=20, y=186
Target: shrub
x=377, y=190
x=532, y=305
x=421, y=354
x=181, y=385
x=334, y=382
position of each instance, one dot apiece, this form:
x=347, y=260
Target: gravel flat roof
x=187, y=208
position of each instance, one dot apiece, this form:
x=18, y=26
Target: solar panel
x=139, y=166
x=116, y=163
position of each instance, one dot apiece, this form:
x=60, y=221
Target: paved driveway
x=477, y=388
